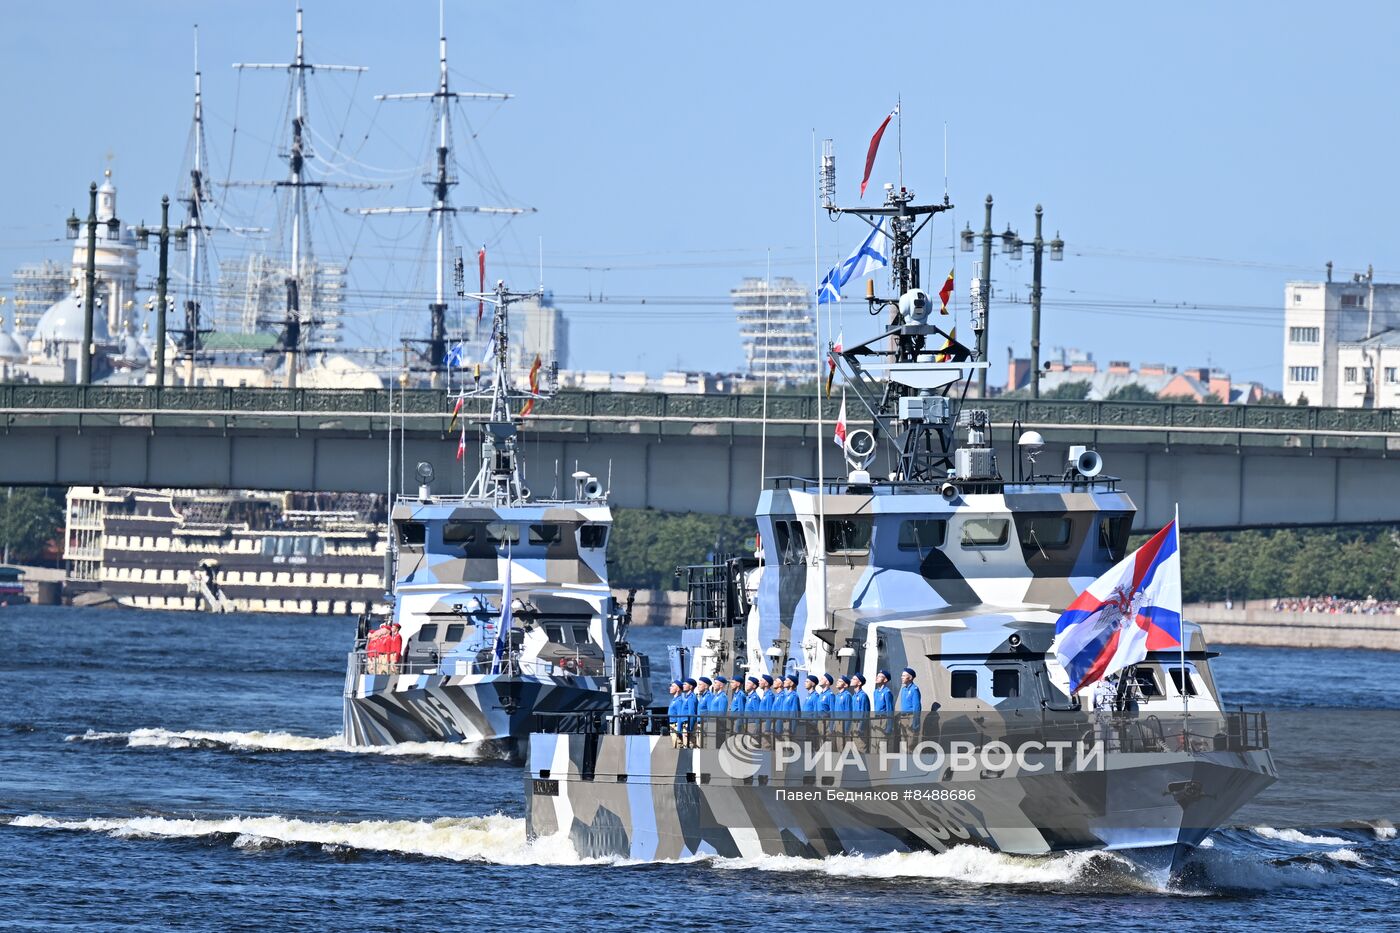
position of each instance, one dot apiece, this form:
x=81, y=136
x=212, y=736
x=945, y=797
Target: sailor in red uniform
x=394, y=650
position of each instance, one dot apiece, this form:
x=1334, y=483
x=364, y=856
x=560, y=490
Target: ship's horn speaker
x=592, y=489
x=525, y=493
x=949, y=491
x=1089, y=463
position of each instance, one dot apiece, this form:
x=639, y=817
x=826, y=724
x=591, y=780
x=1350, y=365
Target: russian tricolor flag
x=1131, y=610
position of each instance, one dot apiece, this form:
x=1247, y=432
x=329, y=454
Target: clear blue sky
x=1196, y=153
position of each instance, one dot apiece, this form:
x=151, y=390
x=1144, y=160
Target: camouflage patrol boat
x=945, y=566
x=503, y=600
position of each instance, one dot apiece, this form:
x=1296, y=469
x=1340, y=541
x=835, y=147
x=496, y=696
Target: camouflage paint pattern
x=447, y=599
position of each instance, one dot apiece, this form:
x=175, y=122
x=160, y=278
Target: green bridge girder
x=427, y=413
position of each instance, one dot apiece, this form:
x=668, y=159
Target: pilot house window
x=847, y=535
x=1044, y=531
x=985, y=532
x=1190, y=690
x=544, y=534
x=1006, y=682
x=412, y=534
x=593, y=536
x=792, y=545
x=922, y=534
x=964, y=685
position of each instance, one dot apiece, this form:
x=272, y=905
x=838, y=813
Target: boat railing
x=454, y=667
x=1128, y=732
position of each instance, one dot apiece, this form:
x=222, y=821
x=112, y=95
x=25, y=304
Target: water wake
x=1232, y=864
x=495, y=839
x=966, y=864
x=287, y=742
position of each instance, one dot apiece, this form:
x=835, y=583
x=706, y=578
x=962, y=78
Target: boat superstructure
x=216, y=550
x=501, y=596
x=944, y=563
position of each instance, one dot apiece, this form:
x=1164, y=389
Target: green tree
x=647, y=546
x=1070, y=391
x=29, y=520
x=1131, y=392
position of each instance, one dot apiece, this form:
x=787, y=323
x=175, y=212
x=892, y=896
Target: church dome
x=9, y=347
x=63, y=322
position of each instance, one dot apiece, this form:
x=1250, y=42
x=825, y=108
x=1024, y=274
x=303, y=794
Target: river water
x=184, y=771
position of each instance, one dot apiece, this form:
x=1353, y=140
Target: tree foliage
x=1131, y=392
x=29, y=520
x=647, y=546
x=1071, y=391
x=1352, y=563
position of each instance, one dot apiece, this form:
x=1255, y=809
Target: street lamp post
x=89, y=282
x=1011, y=245
x=163, y=237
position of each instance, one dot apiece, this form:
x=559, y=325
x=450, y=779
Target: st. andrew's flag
x=872, y=254
x=1131, y=610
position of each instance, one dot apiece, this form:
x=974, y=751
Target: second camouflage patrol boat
x=948, y=568
x=502, y=598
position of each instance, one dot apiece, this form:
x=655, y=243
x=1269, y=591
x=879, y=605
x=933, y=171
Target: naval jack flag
x=1132, y=609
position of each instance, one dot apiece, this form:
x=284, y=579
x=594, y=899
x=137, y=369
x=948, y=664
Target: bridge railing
x=578, y=412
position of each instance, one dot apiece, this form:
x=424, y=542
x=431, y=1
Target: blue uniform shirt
x=736, y=705
x=860, y=704
x=841, y=705
x=687, y=711
x=673, y=710
x=910, y=701
x=702, y=703
x=824, y=704
x=884, y=699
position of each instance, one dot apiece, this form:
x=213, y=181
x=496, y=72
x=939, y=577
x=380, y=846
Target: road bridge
x=1228, y=466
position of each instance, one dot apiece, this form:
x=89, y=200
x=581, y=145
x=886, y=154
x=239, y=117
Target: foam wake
x=287, y=742
x=496, y=839
x=965, y=864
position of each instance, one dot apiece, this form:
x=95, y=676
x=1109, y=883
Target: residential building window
x=1303, y=334
x=1349, y=374
x=1302, y=374
x=1351, y=301
x=1391, y=376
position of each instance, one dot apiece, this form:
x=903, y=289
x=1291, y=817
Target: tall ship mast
x=500, y=609
x=929, y=564
x=301, y=329
x=440, y=181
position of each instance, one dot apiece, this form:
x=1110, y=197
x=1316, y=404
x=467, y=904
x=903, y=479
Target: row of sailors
x=769, y=701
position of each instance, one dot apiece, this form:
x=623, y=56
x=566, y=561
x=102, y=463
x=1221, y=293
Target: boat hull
x=386, y=709
x=637, y=797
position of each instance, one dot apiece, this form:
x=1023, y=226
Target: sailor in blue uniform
x=734, y=703
x=789, y=705
x=719, y=702
x=809, y=705
x=910, y=701
x=822, y=703
x=860, y=706
x=752, y=700
x=765, y=705
x=841, y=705
x=883, y=706
x=673, y=714
x=687, y=710
x=702, y=710
x=719, y=705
